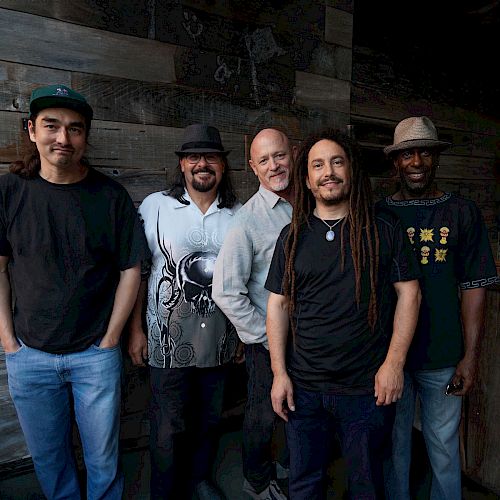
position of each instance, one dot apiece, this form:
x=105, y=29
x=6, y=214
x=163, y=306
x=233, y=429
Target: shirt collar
x=213, y=207
x=271, y=198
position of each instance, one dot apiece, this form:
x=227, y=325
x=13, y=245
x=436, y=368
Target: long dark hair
x=225, y=190
x=30, y=164
x=360, y=219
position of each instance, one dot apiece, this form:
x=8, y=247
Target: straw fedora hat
x=415, y=132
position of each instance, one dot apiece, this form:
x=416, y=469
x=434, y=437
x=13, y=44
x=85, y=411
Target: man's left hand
x=466, y=371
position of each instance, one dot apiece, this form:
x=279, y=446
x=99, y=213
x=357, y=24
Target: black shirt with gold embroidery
x=451, y=243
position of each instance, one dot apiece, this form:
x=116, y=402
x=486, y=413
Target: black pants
x=260, y=420
x=186, y=405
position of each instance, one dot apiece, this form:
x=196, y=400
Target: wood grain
x=378, y=104
x=482, y=407
x=316, y=91
x=153, y=103
x=338, y=27
x=130, y=17
x=13, y=444
x=18, y=80
x=78, y=48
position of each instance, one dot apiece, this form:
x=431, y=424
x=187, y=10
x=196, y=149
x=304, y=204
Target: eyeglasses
x=211, y=158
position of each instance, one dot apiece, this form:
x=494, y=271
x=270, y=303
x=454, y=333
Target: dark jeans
x=260, y=420
x=186, y=405
x=364, y=432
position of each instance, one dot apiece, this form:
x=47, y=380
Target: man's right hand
x=282, y=396
x=138, y=347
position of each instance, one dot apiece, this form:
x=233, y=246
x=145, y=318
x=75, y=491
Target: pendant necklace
x=330, y=234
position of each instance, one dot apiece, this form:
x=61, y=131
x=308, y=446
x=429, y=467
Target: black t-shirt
x=335, y=350
x=451, y=244
x=67, y=244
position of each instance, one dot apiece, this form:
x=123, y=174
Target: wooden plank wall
x=149, y=68
x=482, y=409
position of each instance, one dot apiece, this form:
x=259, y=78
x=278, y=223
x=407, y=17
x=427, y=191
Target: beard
x=335, y=200
x=334, y=197
x=279, y=185
x=417, y=188
x=206, y=184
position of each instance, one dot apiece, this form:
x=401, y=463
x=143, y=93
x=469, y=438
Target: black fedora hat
x=199, y=138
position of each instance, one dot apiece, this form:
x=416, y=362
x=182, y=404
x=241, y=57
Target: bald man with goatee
x=238, y=289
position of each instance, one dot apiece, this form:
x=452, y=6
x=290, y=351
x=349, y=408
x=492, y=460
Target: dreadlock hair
x=360, y=220
x=30, y=165
x=225, y=190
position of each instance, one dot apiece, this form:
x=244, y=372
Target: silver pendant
x=330, y=235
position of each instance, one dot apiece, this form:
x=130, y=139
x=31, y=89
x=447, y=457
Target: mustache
x=278, y=172
x=204, y=170
x=331, y=178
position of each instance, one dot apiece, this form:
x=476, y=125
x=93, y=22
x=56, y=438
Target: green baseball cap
x=60, y=96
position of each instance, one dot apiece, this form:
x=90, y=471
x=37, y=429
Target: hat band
x=202, y=144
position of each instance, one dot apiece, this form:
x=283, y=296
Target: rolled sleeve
x=230, y=291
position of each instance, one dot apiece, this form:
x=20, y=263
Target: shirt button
x=203, y=325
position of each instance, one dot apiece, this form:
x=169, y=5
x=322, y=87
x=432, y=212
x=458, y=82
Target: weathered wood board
x=13, y=446
x=482, y=408
x=79, y=48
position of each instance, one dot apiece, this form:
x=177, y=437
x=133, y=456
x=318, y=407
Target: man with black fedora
x=451, y=243
x=71, y=245
x=189, y=340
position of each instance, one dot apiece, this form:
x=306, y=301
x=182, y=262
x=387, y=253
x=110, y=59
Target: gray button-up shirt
x=243, y=263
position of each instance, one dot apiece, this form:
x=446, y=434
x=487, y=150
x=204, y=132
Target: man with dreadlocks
x=345, y=280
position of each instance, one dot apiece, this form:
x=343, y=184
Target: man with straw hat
x=451, y=243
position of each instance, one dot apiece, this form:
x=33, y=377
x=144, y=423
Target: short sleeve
x=404, y=265
x=274, y=281
x=132, y=244
x=475, y=263
x=5, y=248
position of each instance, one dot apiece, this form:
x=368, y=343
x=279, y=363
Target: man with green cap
x=71, y=245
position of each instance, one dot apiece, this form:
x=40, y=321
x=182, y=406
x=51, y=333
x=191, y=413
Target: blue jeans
x=41, y=385
x=364, y=432
x=440, y=416
x=260, y=420
x=186, y=406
